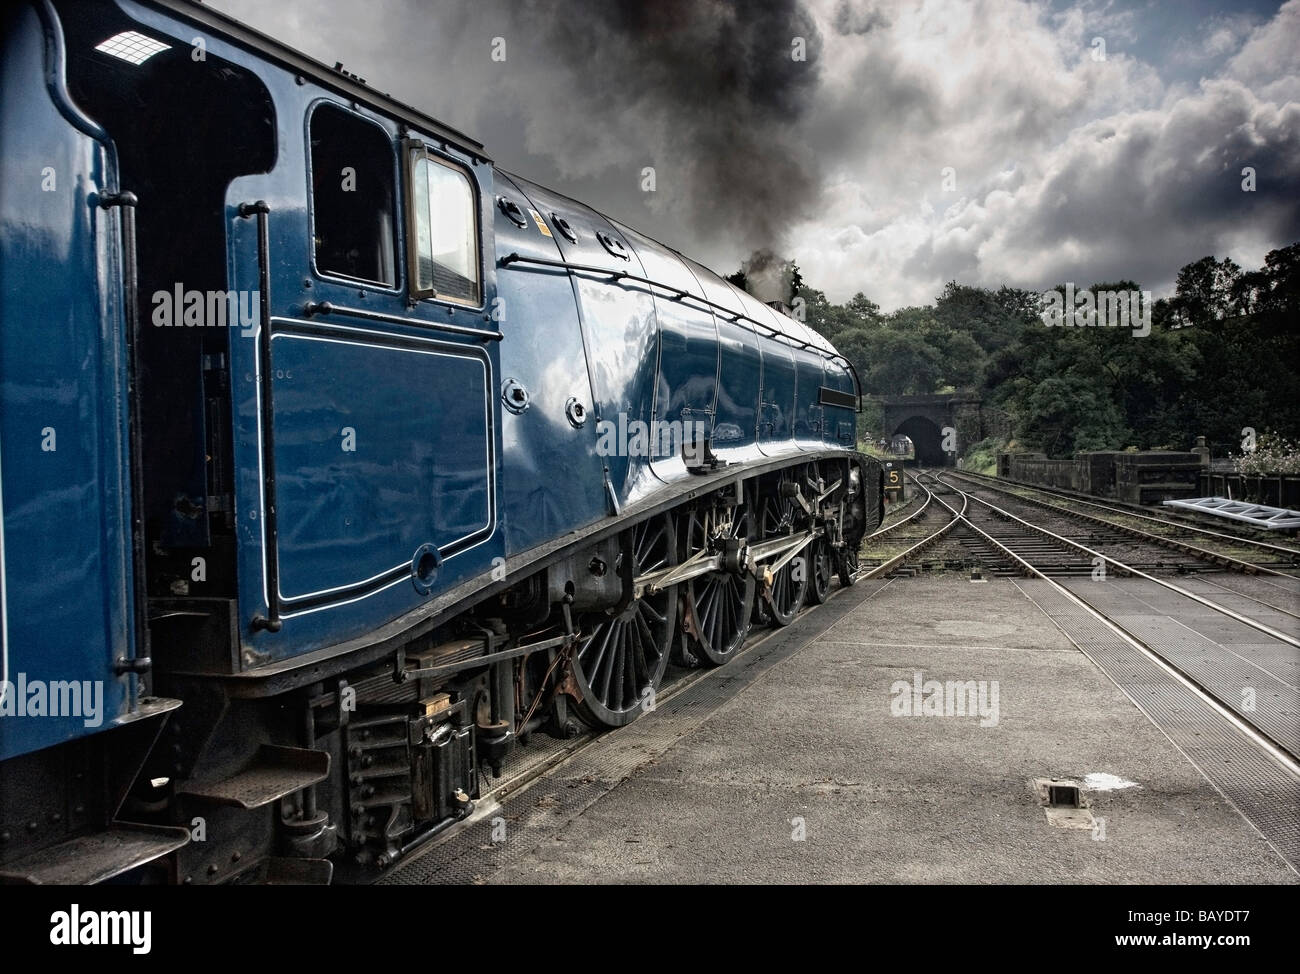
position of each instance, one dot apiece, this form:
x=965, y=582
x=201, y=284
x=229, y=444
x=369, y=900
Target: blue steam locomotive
x=334, y=460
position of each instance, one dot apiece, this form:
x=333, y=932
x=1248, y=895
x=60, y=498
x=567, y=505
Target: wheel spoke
x=645, y=606
x=710, y=612
x=721, y=602
x=609, y=667
x=721, y=625
x=604, y=631
x=624, y=673
x=647, y=638
x=638, y=651
x=647, y=543
x=626, y=654
x=626, y=669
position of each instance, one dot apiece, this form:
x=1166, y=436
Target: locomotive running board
x=297, y=671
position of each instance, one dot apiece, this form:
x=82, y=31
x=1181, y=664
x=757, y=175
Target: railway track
x=1176, y=530
x=1188, y=686
x=1141, y=552
x=1205, y=643
x=921, y=540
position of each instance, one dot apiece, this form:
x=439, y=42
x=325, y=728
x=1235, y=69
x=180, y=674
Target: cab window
x=444, y=249
x=353, y=197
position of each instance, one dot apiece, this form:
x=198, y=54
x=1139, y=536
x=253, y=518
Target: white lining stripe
x=489, y=526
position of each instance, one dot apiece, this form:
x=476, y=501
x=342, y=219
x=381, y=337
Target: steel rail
x=1254, y=571
x=1178, y=525
x=1236, y=616
x=1250, y=731
x=911, y=517
x=1228, y=561
x=1254, y=598
x=887, y=566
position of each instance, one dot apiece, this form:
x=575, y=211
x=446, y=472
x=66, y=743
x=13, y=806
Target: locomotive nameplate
x=834, y=397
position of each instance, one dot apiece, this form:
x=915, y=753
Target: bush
x=1272, y=455
x=982, y=457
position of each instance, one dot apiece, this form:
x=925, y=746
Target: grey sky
x=1065, y=166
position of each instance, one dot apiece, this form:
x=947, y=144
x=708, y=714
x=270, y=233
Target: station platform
x=804, y=760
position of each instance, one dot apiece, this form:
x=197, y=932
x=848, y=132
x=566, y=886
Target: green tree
x=902, y=363
x=1221, y=355
x=994, y=319
x=1070, y=412
x=1207, y=291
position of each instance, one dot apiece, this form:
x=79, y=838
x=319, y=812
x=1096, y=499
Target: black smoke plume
x=718, y=96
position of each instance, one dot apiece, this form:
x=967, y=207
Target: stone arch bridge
x=925, y=418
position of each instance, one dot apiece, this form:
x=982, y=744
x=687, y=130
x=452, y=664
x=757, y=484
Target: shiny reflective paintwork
x=620, y=334
x=840, y=426
x=440, y=484
x=421, y=405
x=776, y=420
x=686, y=379
x=740, y=372
x=809, y=368
x=552, y=479
x=66, y=537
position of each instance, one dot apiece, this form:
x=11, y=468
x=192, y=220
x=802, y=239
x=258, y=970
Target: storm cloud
x=1014, y=142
